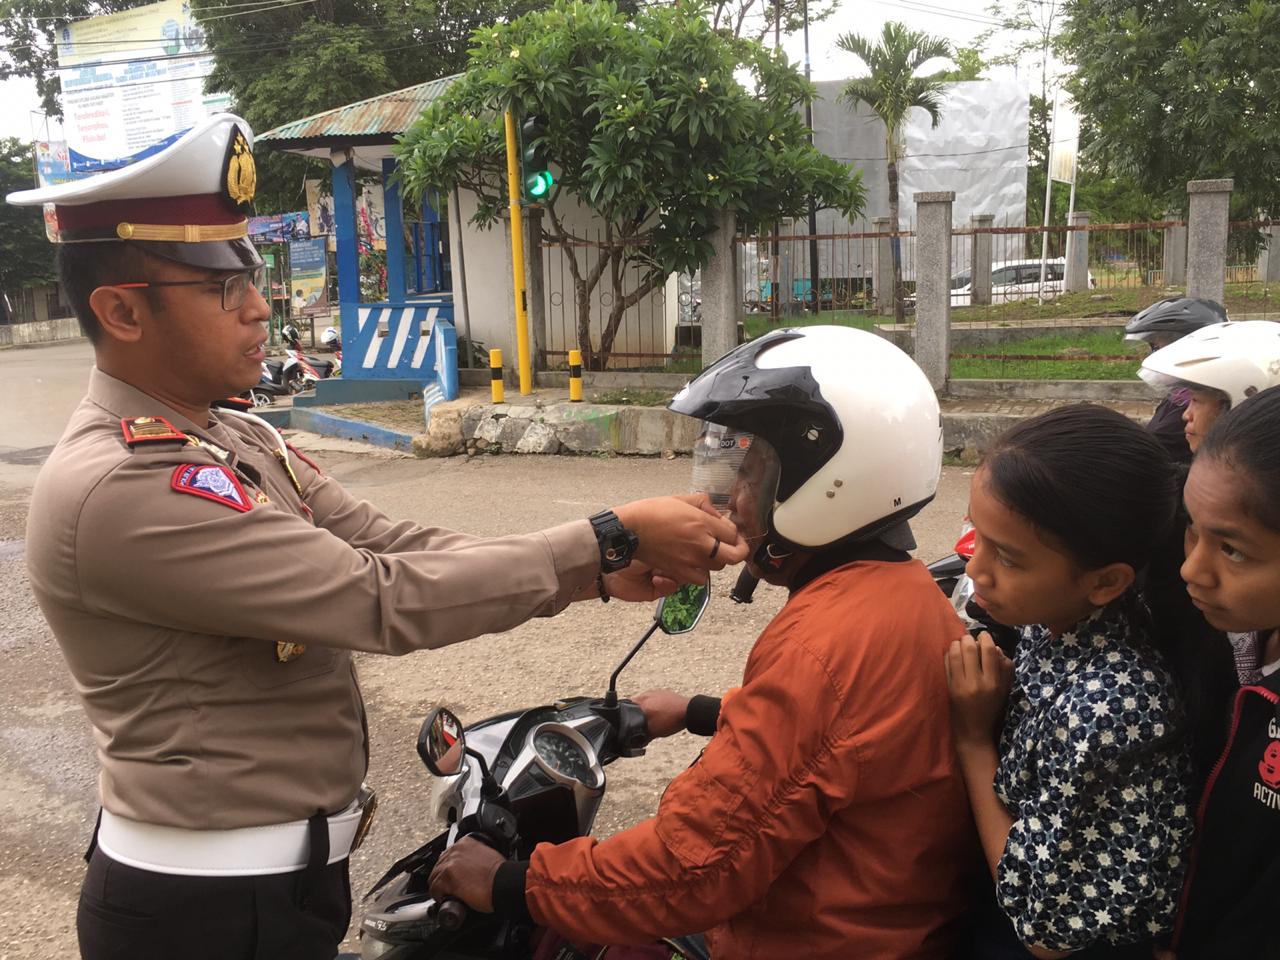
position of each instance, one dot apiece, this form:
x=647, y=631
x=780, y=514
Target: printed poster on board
x=309, y=286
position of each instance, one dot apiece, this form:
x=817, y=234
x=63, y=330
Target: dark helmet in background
x=1173, y=318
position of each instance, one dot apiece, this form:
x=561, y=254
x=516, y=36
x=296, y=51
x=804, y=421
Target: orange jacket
x=826, y=817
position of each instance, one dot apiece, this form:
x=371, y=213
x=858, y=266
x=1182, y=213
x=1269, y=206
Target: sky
x=959, y=21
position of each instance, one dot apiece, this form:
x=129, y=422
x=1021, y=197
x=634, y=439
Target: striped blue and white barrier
x=403, y=341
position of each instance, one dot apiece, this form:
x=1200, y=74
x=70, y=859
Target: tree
x=762, y=19
x=1181, y=90
x=892, y=90
x=646, y=124
x=26, y=257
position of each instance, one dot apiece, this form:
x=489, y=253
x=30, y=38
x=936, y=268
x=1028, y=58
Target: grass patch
x=633, y=397
x=403, y=415
x=1065, y=358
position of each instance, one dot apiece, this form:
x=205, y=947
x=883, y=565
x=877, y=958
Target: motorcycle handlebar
x=451, y=914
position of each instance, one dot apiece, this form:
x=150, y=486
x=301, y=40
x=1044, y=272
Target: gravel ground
x=47, y=764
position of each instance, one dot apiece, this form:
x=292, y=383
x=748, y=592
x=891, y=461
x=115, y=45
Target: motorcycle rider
x=1220, y=366
x=1159, y=325
x=826, y=817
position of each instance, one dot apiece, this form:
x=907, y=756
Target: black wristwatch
x=617, y=544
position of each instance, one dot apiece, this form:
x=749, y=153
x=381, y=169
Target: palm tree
x=891, y=91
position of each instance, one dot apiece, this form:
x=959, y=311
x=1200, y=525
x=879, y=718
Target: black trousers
x=131, y=914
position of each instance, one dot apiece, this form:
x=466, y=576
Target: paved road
x=47, y=765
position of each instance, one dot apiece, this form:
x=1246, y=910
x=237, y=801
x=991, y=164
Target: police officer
x=207, y=584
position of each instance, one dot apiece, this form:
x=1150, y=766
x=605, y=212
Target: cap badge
x=242, y=175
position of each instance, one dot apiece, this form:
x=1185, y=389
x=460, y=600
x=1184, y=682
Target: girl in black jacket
x=1232, y=571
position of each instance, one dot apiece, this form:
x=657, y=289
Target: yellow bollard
x=575, y=376
x=495, y=375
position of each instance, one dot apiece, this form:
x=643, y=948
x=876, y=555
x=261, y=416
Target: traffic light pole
x=517, y=258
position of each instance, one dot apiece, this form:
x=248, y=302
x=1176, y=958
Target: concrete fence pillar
x=1207, y=218
x=933, y=285
x=882, y=267
x=720, y=292
x=1174, y=259
x=980, y=267
x=1269, y=258
x=1076, y=274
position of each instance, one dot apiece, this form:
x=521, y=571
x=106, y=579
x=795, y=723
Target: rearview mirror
x=681, y=611
x=441, y=744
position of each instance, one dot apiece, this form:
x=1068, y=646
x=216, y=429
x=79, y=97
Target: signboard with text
x=132, y=83
x=308, y=271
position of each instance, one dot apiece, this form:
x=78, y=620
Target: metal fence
x=791, y=274
x=641, y=336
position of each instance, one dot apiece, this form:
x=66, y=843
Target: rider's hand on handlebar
x=664, y=711
x=683, y=536
x=466, y=871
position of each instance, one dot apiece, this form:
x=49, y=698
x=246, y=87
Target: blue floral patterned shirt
x=1096, y=777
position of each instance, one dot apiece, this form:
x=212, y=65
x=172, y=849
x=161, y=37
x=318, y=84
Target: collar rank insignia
x=149, y=430
x=216, y=483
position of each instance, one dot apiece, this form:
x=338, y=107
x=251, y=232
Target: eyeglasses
x=234, y=288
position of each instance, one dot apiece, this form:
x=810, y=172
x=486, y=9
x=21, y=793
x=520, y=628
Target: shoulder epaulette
x=149, y=430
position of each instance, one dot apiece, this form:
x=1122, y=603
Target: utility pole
x=814, y=281
x=517, y=258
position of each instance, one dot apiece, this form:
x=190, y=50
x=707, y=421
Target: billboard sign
x=308, y=277
x=132, y=83
x=279, y=228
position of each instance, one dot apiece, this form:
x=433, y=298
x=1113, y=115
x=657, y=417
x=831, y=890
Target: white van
x=1013, y=280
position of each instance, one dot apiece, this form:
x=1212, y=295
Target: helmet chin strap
x=770, y=555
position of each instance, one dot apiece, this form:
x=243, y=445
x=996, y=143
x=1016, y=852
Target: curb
x=328, y=425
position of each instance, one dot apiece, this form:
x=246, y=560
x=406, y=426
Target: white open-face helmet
x=1238, y=358
x=850, y=425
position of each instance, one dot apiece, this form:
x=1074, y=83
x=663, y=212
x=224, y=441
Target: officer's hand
x=639, y=581
x=664, y=711
x=466, y=871
x=683, y=536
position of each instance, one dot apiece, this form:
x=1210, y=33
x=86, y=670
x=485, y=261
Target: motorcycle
x=513, y=781
x=949, y=574
x=333, y=341
x=301, y=372
x=270, y=385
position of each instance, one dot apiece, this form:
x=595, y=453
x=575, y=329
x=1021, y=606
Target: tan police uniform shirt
x=169, y=608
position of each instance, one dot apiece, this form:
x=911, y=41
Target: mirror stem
x=611, y=698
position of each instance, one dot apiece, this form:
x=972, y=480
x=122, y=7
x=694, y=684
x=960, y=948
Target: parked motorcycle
x=332, y=340
x=513, y=781
x=301, y=372
x=270, y=385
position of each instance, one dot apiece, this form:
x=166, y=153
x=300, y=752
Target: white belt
x=243, y=851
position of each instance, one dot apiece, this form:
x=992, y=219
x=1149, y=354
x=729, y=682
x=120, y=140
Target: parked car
x=1013, y=280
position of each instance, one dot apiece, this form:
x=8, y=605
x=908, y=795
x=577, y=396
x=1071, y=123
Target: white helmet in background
x=851, y=424
x=1238, y=358
x=331, y=338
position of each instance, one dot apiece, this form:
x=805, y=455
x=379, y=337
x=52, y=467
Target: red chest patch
x=212, y=482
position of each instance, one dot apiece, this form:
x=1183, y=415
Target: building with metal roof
x=410, y=336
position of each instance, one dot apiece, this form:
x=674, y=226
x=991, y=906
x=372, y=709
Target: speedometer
x=563, y=756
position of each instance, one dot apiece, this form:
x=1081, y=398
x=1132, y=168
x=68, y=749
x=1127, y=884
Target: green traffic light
x=538, y=185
